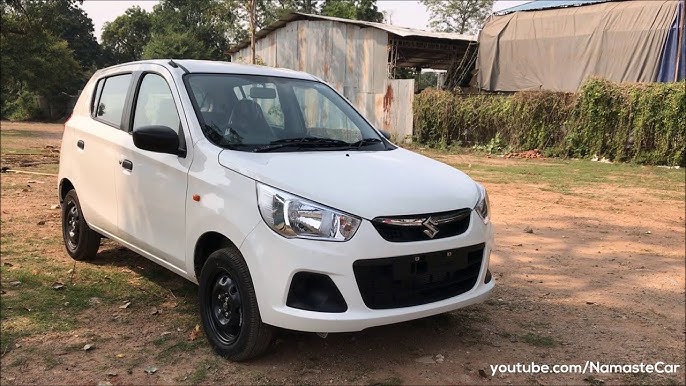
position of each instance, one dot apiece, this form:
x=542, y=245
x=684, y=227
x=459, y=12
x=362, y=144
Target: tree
x=124, y=38
x=65, y=20
x=36, y=61
x=352, y=9
x=215, y=24
x=461, y=16
x=175, y=45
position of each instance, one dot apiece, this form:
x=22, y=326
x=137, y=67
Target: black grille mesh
x=412, y=280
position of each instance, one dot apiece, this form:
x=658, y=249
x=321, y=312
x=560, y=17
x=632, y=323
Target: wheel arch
x=206, y=244
x=64, y=187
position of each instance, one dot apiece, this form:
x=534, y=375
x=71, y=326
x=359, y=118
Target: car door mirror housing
x=159, y=139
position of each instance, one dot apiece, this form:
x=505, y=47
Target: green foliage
x=124, y=38
x=461, y=16
x=35, y=62
x=175, y=45
x=352, y=9
x=643, y=123
x=211, y=24
x=24, y=107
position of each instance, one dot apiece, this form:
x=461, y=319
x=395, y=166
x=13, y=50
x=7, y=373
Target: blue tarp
x=537, y=5
x=669, y=53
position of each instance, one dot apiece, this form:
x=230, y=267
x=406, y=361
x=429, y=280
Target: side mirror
x=385, y=134
x=160, y=139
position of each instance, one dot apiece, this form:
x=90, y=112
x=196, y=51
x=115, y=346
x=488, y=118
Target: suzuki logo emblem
x=431, y=227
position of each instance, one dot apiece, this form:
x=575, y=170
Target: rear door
x=95, y=140
x=151, y=187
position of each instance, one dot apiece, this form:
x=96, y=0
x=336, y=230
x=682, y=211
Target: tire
x=228, y=308
x=80, y=240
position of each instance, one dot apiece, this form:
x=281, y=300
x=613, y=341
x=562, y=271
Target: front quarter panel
x=227, y=204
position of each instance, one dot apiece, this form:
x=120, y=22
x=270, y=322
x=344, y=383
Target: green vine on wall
x=637, y=122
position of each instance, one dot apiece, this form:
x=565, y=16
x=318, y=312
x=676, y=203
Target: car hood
x=366, y=184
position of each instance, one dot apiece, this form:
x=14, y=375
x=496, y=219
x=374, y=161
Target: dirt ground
x=598, y=275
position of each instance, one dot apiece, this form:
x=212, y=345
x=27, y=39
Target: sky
x=402, y=12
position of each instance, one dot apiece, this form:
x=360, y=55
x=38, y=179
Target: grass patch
x=565, y=176
x=538, y=340
x=31, y=306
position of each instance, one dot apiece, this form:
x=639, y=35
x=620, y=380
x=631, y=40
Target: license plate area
x=411, y=280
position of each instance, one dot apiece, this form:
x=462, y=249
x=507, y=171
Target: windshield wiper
x=365, y=142
x=310, y=142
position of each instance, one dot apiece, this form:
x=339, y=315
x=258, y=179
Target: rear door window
x=112, y=99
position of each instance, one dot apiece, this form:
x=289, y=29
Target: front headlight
x=482, y=204
x=295, y=217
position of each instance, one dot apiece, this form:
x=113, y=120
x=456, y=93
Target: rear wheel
x=80, y=240
x=228, y=307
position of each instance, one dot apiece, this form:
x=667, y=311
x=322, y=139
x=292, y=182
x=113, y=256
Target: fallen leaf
x=165, y=333
x=111, y=374
x=154, y=311
x=88, y=347
x=120, y=355
x=15, y=283
x=57, y=285
x=125, y=305
x=151, y=370
x=194, y=333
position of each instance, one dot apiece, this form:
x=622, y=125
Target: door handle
x=80, y=144
x=126, y=164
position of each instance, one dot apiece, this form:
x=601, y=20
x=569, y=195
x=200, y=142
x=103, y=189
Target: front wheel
x=81, y=241
x=228, y=307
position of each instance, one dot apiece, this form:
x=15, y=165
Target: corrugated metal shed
x=399, y=31
x=358, y=58
x=537, y=5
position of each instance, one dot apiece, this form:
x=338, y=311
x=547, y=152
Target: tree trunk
x=252, y=16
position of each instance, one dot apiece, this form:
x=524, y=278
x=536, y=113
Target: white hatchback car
x=268, y=189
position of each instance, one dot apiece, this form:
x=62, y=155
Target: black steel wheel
x=228, y=307
x=80, y=240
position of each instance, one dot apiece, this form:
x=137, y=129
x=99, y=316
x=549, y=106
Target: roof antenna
x=176, y=65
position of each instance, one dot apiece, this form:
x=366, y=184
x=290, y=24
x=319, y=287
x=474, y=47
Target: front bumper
x=274, y=260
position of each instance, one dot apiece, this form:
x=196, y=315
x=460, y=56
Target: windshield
x=261, y=113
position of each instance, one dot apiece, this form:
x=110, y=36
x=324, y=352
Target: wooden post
x=252, y=17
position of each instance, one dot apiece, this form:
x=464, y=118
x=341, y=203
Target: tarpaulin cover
x=668, y=63
x=557, y=49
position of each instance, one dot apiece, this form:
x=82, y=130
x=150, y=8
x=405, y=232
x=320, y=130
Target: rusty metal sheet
x=379, y=59
x=394, y=108
x=287, y=46
x=337, y=68
x=303, y=43
x=352, y=66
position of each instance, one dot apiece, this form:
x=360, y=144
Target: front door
x=151, y=187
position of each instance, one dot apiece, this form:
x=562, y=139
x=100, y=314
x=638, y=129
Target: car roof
x=209, y=66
